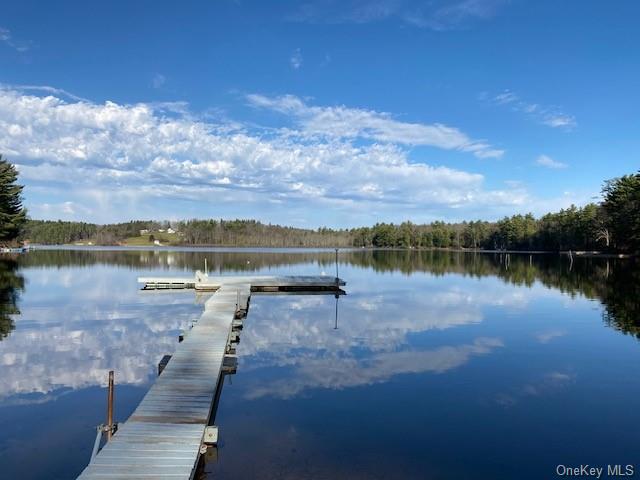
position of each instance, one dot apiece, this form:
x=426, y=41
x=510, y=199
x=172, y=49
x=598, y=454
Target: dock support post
x=96, y=443
x=163, y=363
x=110, y=407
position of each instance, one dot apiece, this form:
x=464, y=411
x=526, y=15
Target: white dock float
x=163, y=437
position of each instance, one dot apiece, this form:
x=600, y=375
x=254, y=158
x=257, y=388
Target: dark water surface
x=442, y=366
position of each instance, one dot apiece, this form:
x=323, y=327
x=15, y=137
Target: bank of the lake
x=153, y=246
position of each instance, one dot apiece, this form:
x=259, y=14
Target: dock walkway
x=165, y=435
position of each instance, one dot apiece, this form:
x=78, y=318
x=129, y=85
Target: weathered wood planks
x=162, y=438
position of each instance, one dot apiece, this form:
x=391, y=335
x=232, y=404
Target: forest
x=613, y=225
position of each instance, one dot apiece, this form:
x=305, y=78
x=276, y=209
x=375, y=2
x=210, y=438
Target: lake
x=438, y=365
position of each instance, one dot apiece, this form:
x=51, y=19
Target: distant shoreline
x=581, y=254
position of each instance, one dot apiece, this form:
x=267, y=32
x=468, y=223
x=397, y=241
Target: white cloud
x=158, y=80
x=7, y=39
x=343, y=122
x=63, y=210
x=435, y=15
x=44, y=89
x=546, y=161
x=506, y=98
x=326, y=61
x=549, y=335
x=550, y=116
x=296, y=59
x=145, y=151
x=559, y=120
x=450, y=16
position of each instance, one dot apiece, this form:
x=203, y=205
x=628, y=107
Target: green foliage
x=58, y=232
x=243, y=233
x=12, y=214
x=614, y=225
x=622, y=207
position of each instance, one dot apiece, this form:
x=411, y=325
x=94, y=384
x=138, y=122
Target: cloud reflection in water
x=374, y=340
x=73, y=329
x=76, y=324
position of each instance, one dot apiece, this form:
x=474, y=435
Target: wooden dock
x=170, y=429
x=258, y=283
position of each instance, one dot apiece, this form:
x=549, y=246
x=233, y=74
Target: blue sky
x=338, y=113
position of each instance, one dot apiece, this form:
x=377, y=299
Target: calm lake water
x=442, y=366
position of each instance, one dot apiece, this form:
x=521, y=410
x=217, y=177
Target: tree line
x=573, y=228
x=58, y=232
x=611, y=225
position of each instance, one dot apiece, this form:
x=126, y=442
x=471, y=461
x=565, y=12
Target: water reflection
x=546, y=384
x=11, y=284
x=434, y=352
x=376, y=338
x=76, y=327
x=613, y=281
x=81, y=322
x=87, y=321
x=337, y=373
x=621, y=295
x=550, y=335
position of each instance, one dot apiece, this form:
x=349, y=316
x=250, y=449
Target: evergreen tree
x=12, y=214
x=622, y=205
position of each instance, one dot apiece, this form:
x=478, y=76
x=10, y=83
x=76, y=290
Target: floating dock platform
x=258, y=283
x=171, y=427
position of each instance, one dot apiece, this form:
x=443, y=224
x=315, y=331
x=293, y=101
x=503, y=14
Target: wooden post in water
x=110, y=407
x=570, y=260
x=337, y=290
